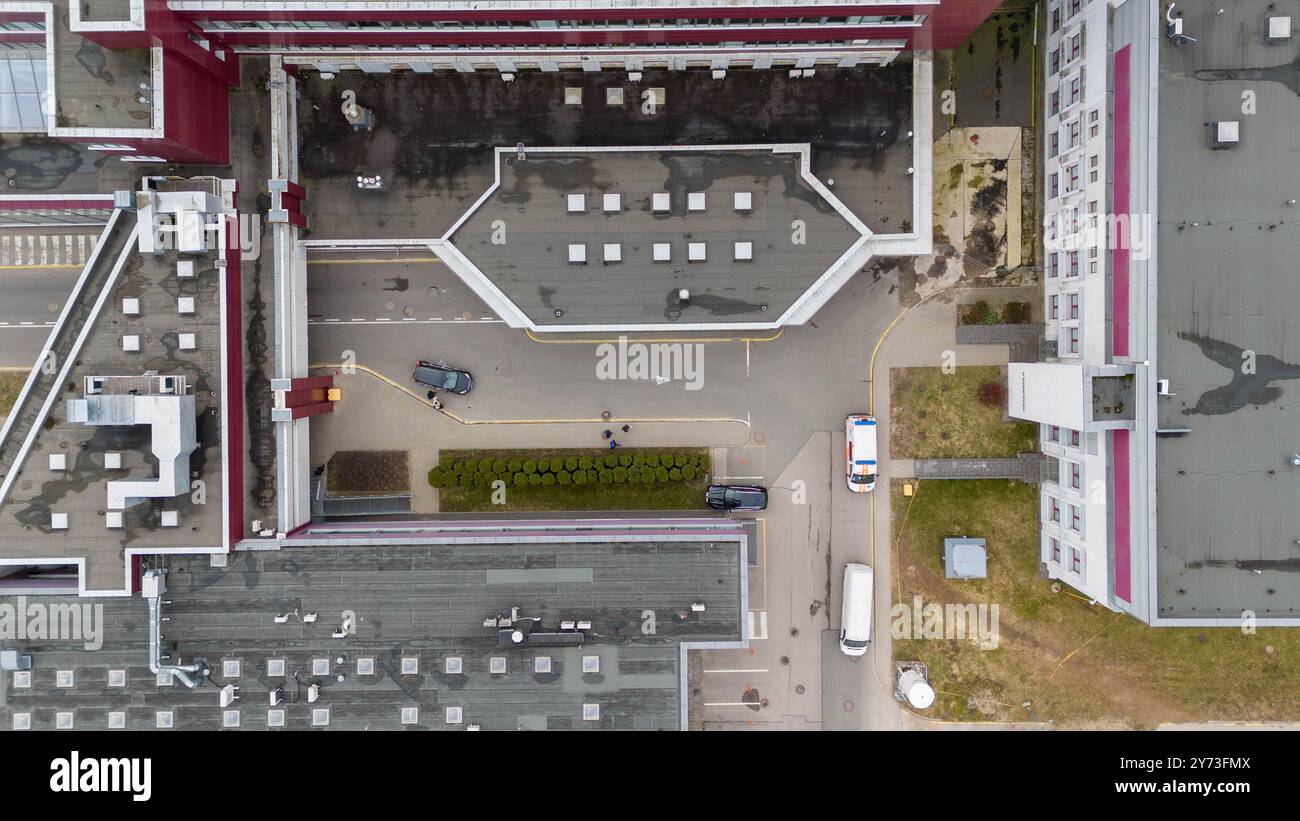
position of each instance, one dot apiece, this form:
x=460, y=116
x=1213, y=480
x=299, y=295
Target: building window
x=1054, y=509
x=1053, y=433
x=1074, y=134
x=1074, y=305
x=1056, y=20
x=1092, y=175
x=1054, y=103
x=1076, y=561
x=1073, y=339
x=1074, y=6
x=1074, y=263
x=1074, y=439
x=1054, y=186
x=1056, y=549
x=1076, y=46
x=1072, y=177
x=1056, y=60
x=1053, y=144
x=1052, y=306
x=1076, y=89
x=1076, y=476
x=1076, y=519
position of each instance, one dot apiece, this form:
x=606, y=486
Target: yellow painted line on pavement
x=871, y=369
x=40, y=265
x=615, y=340
x=578, y=421
x=370, y=260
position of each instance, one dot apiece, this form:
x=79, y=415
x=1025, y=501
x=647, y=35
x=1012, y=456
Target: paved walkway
x=1024, y=467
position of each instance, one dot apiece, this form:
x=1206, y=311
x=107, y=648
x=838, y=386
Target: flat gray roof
x=80, y=491
x=425, y=602
x=519, y=237
x=1227, y=514
x=97, y=87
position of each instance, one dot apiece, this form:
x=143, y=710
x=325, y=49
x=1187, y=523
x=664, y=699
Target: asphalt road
x=31, y=302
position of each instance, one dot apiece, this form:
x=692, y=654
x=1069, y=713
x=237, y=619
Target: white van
x=860, y=452
x=855, y=614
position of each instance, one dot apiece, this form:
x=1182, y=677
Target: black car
x=438, y=375
x=736, y=497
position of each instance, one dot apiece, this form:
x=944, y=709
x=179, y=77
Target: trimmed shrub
x=675, y=474
x=484, y=465
x=620, y=475
x=458, y=466
x=515, y=466
x=662, y=474
x=652, y=460
x=638, y=459
x=571, y=464
x=702, y=462
x=557, y=465
x=499, y=466
x=534, y=480
x=607, y=477
x=680, y=460
x=548, y=479
x=584, y=462
x=465, y=480
x=625, y=460
x=521, y=479
x=579, y=478
x=647, y=477
x=591, y=475
x=564, y=477
x=530, y=466
x=598, y=463
x=688, y=473
x=436, y=479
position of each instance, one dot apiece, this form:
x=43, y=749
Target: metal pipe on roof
x=190, y=675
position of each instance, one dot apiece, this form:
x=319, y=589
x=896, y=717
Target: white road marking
x=753, y=670
x=362, y=321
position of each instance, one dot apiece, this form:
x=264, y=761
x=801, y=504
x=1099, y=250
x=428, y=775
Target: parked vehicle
x=860, y=452
x=855, y=613
x=736, y=497
x=440, y=376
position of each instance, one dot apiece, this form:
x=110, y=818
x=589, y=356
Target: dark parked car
x=440, y=376
x=736, y=497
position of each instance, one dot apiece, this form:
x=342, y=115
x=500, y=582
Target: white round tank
x=913, y=686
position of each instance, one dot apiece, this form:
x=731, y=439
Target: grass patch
x=958, y=415
x=369, y=472
x=592, y=494
x=11, y=384
x=1124, y=673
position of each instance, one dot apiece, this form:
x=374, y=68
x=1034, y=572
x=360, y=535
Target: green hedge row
x=571, y=470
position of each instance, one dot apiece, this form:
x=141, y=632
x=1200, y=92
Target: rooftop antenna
x=1174, y=29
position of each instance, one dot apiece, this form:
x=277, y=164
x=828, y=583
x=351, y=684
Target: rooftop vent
x=663, y=252
x=1226, y=132
x=1279, y=29
x=660, y=202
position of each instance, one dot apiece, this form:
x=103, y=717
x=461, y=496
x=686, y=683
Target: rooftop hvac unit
x=1226, y=132
x=1162, y=387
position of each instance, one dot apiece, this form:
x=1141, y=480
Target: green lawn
x=11, y=382
x=1124, y=673
x=678, y=494
x=937, y=415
